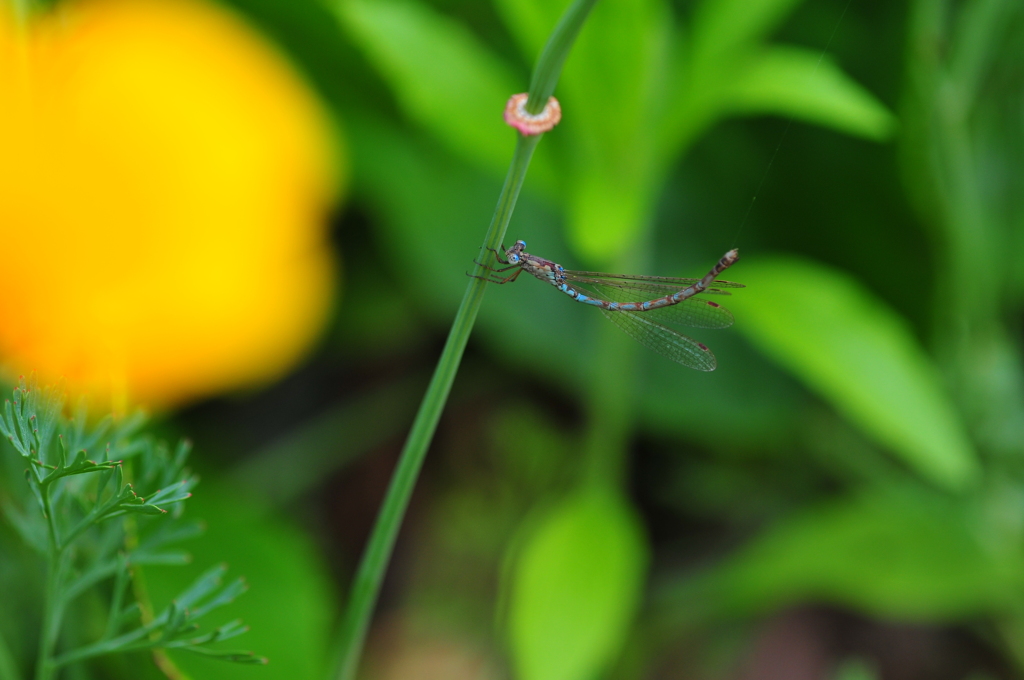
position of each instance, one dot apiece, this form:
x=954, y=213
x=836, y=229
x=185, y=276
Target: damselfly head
x=512, y=254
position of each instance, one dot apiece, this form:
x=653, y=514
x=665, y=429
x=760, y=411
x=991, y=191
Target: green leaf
x=47, y=404
x=575, y=588
x=721, y=27
x=853, y=350
x=531, y=21
x=791, y=81
x=205, y=584
x=168, y=557
x=607, y=212
x=443, y=77
x=30, y=418
x=613, y=94
x=143, y=509
x=896, y=552
x=289, y=606
x=224, y=597
x=80, y=465
x=724, y=35
x=173, y=494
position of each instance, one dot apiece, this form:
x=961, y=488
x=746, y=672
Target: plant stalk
x=52, y=609
x=549, y=64
x=53, y=602
x=370, y=573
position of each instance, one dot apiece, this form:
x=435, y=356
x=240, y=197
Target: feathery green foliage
x=94, y=519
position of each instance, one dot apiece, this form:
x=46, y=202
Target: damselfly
x=658, y=300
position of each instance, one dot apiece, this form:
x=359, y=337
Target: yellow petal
x=163, y=198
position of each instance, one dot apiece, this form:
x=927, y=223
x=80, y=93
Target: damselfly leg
x=639, y=305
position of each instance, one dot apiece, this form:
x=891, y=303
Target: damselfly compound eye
x=641, y=319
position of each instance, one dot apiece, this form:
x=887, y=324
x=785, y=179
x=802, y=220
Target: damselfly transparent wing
x=646, y=289
x=668, y=281
x=663, y=340
x=694, y=312
x=609, y=292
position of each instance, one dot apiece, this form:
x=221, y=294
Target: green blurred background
x=843, y=498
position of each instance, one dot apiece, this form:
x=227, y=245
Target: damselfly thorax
x=639, y=305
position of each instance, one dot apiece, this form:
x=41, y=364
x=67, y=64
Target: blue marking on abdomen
x=571, y=292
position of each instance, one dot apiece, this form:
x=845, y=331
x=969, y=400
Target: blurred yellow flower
x=165, y=179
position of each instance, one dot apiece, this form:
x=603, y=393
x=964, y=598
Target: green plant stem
x=88, y=521
x=549, y=64
x=368, y=578
x=53, y=535
x=109, y=646
x=52, y=598
x=52, y=609
x=370, y=573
